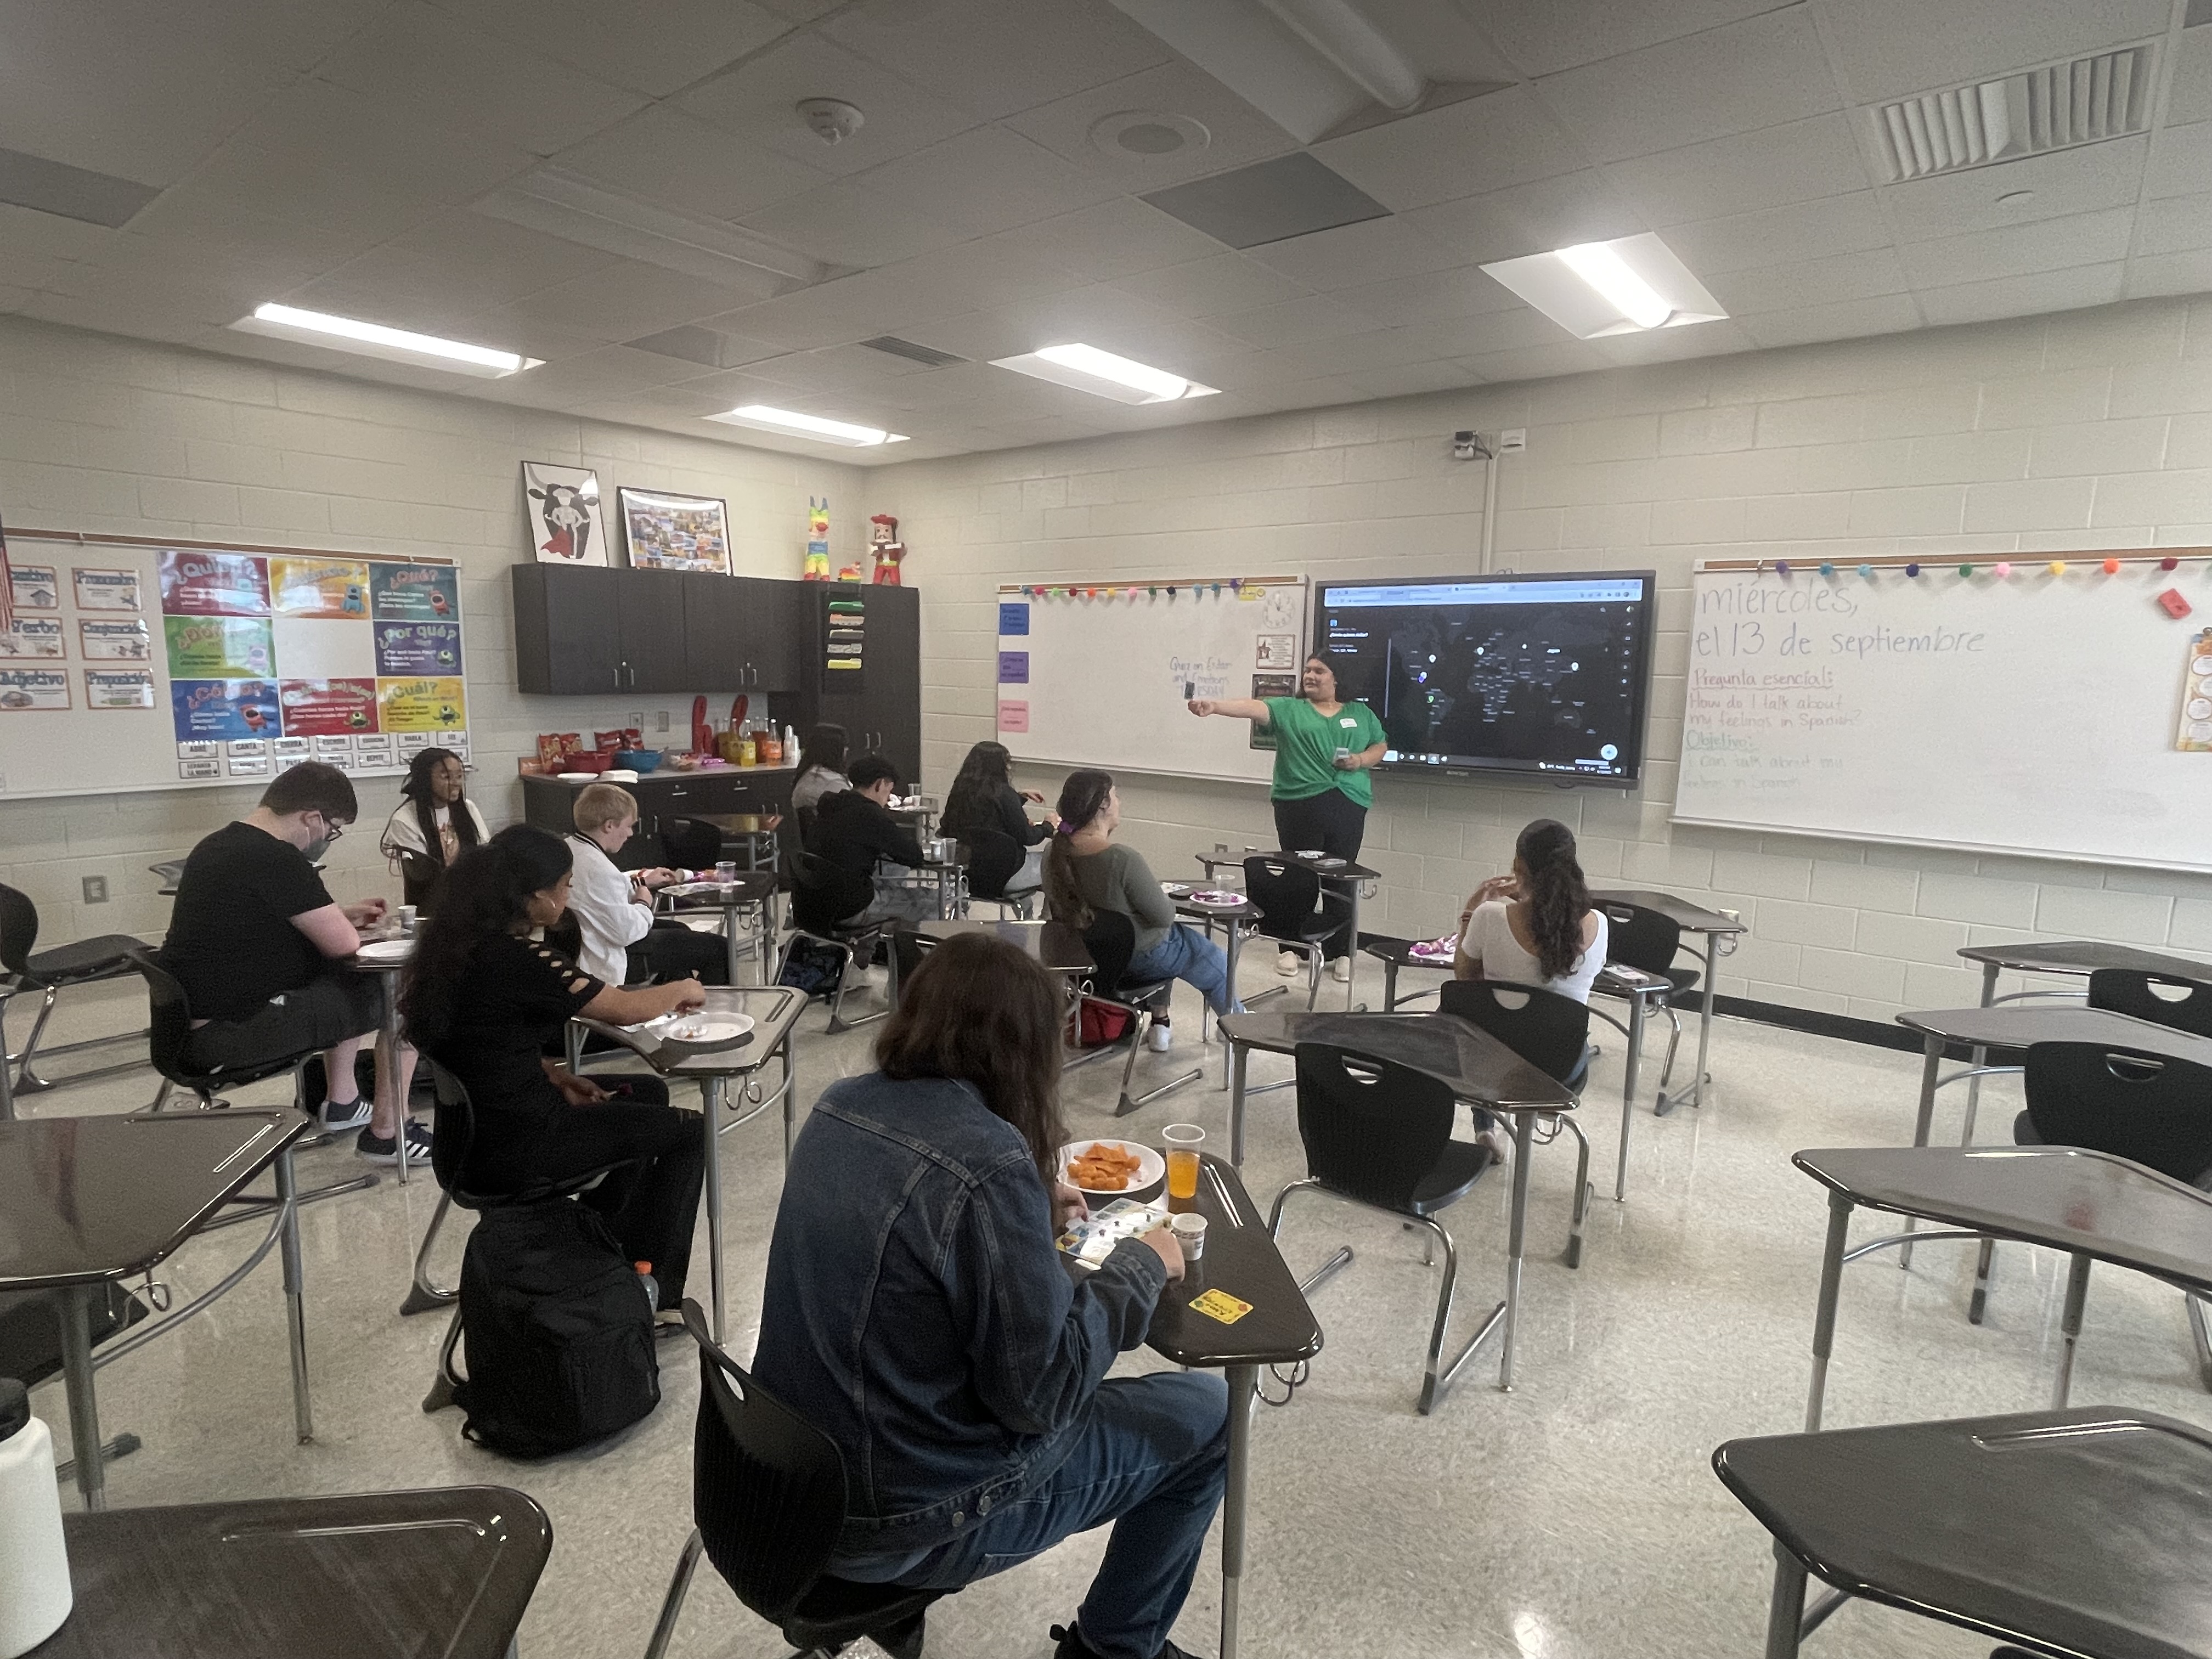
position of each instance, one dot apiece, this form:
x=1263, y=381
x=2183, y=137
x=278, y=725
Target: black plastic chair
x=1552, y=1033
x=768, y=1494
x=450, y=1146
x=1112, y=938
x=1296, y=911
x=995, y=858
x=2149, y=1109
x=1378, y=1134
x=2126, y=991
x=814, y=904
x=690, y=844
x=24, y=969
x=1649, y=941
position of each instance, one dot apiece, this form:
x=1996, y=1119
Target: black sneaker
x=380, y=1150
x=348, y=1114
x=1072, y=1646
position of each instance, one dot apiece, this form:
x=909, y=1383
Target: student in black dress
x=983, y=798
x=486, y=1001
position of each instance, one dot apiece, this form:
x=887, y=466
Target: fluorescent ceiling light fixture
x=794, y=425
x=375, y=340
x=1622, y=287
x=1087, y=368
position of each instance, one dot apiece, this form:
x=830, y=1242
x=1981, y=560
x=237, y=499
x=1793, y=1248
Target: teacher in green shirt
x=1324, y=749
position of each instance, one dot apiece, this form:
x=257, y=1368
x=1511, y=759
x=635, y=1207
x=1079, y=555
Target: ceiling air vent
x=930, y=357
x=2058, y=107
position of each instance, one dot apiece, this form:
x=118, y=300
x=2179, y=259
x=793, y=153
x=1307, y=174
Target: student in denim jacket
x=917, y=1312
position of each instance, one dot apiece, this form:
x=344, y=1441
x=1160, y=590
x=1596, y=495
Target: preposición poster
x=119, y=688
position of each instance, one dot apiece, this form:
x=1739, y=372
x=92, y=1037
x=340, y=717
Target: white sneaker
x=1159, y=1039
x=1498, y=1144
x=1288, y=963
x=1341, y=970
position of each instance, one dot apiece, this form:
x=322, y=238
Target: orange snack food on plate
x=1102, y=1168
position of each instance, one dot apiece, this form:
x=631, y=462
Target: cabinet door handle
x=617, y=677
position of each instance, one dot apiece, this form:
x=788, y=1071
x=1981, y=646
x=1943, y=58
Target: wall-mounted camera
x=1469, y=446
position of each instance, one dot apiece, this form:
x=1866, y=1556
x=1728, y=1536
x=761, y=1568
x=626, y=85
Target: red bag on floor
x=1103, y=1022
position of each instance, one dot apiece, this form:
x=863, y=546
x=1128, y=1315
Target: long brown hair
x=980, y=1011
x=1082, y=799
x=1558, y=898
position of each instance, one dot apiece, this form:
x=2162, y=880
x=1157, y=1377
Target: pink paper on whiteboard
x=1013, y=717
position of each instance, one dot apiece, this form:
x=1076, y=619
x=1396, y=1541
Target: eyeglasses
x=333, y=831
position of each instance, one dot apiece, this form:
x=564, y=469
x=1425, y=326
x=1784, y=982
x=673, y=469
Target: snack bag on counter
x=607, y=742
x=552, y=746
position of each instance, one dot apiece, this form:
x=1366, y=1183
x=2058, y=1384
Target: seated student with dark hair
x=257, y=944
x=613, y=907
x=486, y=1001
x=854, y=829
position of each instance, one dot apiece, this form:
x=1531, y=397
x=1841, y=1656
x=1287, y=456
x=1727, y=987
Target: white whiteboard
x=84, y=748
x=2038, y=715
x=1100, y=681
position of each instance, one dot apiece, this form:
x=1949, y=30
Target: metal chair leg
x=1584, y=1191
x=26, y=1081
x=2200, y=1338
x=1128, y=1103
x=1980, y=1304
x=1673, y=1042
x=1435, y=1379
x=424, y=1294
x=672, y=1605
x=441, y=1388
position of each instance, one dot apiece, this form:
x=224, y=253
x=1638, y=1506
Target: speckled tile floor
x=1576, y=1517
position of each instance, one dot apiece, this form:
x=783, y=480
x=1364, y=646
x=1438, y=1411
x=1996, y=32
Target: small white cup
x=1189, y=1229
x=405, y=915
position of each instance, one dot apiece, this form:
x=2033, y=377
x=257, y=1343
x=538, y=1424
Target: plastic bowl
x=582, y=761
x=637, y=760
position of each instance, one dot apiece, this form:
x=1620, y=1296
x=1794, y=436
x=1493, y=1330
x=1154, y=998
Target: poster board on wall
x=168, y=667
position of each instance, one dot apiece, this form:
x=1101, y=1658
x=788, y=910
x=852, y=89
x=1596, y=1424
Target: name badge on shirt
x=1347, y=720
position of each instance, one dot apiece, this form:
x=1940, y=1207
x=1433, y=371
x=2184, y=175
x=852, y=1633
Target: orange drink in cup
x=1180, y=1142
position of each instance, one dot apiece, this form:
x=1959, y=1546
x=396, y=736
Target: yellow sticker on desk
x=1220, y=1304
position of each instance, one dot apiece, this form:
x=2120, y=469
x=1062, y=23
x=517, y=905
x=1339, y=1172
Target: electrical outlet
x=1513, y=441
x=95, y=889
x=661, y=721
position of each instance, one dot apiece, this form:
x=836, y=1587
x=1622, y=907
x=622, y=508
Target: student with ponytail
x=1085, y=871
x=1537, y=926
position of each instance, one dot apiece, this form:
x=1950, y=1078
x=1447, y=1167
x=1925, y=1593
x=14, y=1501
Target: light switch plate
x=95, y=889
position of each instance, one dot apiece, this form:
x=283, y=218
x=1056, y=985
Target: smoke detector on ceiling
x=830, y=120
x=1145, y=135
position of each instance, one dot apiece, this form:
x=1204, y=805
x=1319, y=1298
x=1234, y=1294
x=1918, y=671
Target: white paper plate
x=1307, y=853
x=385, y=951
x=708, y=1030
x=577, y=777
x=1328, y=864
x=1176, y=888
x=1151, y=1168
x=1214, y=899
x=617, y=775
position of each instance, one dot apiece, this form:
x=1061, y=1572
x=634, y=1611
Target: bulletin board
x=138, y=665
x=1098, y=674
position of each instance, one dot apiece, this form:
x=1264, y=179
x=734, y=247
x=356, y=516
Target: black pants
x=319, y=1014
x=672, y=951
x=1335, y=824
x=653, y=1206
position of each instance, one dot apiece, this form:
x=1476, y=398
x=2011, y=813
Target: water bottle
x=652, y=1285
x=34, y=1574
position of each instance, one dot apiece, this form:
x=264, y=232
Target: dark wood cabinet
x=581, y=630
x=550, y=803
x=741, y=633
x=882, y=715
x=655, y=656
x=568, y=637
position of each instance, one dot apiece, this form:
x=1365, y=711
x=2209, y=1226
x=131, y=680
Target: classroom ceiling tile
x=2053, y=186
x=994, y=58
x=987, y=180
x=417, y=57
x=2180, y=161
x=1408, y=379
x=1887, y=313
x=409, y=151
x=1352, y=254
x=1464, y=291
x=1543, y=37
x=855, y=307
x=1887, y=48
x=1163, y=126
x=1760, y=72
x=663, y=155
x=655, y=47
x=1771, y=166
x=2174, y=224
x=2020, y=250
x=1293, y=322
x=1226, y=283
x=2152, y=275
x=1809, y=282
x=757, y=100
x=308, y=189
x=1531, y=218
x=1539, y=362
x=1293, y=195
x=623, y=300
x=1484, y=143
x=843, y=223
x=2189, y=97
x=1773, y=236
x=1116, y=238
x=2022, y=296
x=457, y=263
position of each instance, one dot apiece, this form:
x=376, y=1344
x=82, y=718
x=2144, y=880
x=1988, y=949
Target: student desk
x=775, y=1011
x=2073, y=1532
x=1691, y=918
x=750, y=889
x=1240, y=1258
x=1231, y=919
x=1479, y=1069
x=447, y=1572
x=1055, y=948
x=84, y=1200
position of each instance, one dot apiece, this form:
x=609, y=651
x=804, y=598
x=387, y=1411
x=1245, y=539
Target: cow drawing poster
x=561, y=507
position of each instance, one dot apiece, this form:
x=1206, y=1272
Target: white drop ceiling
x=331, y=154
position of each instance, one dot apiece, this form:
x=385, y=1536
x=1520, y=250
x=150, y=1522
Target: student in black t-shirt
x=852, y=829
x=487, y=1002
x=257, y=943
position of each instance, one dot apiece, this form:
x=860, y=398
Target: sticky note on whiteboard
x=1013, y=717
x=1013, y=617
x=1013, y=668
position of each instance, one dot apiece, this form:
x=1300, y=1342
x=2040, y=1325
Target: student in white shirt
x=1535, y=927
x=613, y=907
x=823, y=752
x=436, y=820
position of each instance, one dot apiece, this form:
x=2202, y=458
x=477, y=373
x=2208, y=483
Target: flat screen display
x=1535, y=674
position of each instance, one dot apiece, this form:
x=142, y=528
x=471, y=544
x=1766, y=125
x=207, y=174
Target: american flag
x=7, y=585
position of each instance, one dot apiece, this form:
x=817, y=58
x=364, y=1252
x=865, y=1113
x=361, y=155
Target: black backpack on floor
x=559, y=1332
